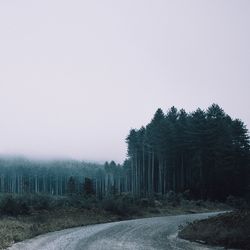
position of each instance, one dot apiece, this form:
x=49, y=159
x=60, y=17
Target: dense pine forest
x=203, y=153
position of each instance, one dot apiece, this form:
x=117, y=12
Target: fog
x=76, y=76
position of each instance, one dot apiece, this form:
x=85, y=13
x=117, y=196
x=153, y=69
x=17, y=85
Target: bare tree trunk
x=153, y=171
x=182, y=173
x=160, y=176
x=143, y=171
x=149, y=174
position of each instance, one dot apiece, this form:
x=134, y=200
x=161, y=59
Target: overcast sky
x=76, y=75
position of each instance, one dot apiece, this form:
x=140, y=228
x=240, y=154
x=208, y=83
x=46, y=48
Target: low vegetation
x=230, y=230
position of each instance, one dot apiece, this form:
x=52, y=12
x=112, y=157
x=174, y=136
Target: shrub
x=41, y=202
x=236, y=202
x=13, y=206
x=88, y=187
x=89, y=202
x=187, y=194
x=171, y=196
x=144, y=202
x=121, y=205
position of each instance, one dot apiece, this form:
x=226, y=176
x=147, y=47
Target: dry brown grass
x=14, y=229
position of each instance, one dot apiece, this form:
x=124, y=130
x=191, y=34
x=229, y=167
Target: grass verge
x=230, y=230
x=15, y=229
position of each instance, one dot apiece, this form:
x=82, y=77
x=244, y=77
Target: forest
x=203, y=153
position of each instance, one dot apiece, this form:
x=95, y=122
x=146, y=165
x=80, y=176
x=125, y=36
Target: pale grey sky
x=76, y=75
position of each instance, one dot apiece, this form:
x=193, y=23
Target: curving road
x=141, y=234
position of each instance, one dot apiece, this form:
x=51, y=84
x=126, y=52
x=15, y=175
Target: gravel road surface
x=142, y=234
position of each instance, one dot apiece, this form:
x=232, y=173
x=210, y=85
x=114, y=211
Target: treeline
x=205, y=152
x=57, y=177
x=61, y=177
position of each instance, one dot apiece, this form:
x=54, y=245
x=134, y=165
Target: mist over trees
x=57, y=177
x=204, y=153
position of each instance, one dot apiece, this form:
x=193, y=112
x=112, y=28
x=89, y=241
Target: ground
x=18, y=228
x=231, y=230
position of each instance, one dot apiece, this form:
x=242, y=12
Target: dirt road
x=141, y=234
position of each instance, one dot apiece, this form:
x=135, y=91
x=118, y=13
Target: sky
x=76, y=76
